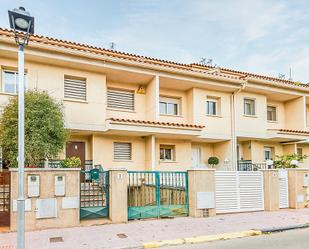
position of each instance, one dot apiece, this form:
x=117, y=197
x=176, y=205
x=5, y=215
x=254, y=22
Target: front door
x=76, y=149
x=196, y=157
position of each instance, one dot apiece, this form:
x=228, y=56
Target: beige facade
x=163, y=115
x=298, y=188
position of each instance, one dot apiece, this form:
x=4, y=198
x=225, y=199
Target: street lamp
x=23, y=25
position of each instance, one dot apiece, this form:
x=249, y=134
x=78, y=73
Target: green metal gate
x=157, y=194
x=94, y=194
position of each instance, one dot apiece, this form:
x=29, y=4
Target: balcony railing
x=247, y=165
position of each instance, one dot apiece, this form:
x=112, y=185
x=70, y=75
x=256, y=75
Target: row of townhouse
x=141, y=113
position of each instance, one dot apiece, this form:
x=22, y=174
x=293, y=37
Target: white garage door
x=283, y=189
x=239, y=191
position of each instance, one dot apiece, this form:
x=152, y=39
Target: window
x=268, y=153
x=249, y=107
x=300, y=151
x=120, y=99
x=10, y=81
x=167, y=152
x=212, y=106
x=74, y=88
x=271, y=113
x=122, y=151
x=169, y=106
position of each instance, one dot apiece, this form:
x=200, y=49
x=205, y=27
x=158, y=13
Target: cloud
x=265, y=36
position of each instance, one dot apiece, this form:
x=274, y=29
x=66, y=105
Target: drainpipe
x=233, y=124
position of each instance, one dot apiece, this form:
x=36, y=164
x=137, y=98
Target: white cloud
x=265, y=36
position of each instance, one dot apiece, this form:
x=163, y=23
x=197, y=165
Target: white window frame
x=217, y=103
x=253, y=113
x=16, y=80
x=270, y=150
x=169, y=101
x=275, y=109
x=165, y=147
x=122, y=159
x=302, y=151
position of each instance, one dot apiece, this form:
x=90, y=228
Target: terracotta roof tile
x=243, y=74
x=293, y=131
x=146, y=122
x=194, y=67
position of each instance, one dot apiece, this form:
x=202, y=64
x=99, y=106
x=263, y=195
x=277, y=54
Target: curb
x=201, y=239
x=282, y=229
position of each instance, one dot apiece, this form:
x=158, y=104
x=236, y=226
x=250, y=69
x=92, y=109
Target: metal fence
x=247, y=165
x=157, y=194
x=94, y=194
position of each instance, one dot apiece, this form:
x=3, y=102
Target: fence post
x=118, y=195
x=158, y=197
x=298, y=188
x=201, y=184
x=271, y=189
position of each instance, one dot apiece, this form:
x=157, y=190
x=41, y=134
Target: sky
x=261, y=36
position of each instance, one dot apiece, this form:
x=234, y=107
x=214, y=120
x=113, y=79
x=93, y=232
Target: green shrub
x=71, y=162
x=45, y=133
x=213, y=161
x=285, y=160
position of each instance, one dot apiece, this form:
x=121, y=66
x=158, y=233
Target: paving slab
x=136, y=233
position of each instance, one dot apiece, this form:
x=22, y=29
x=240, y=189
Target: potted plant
x=213, y=161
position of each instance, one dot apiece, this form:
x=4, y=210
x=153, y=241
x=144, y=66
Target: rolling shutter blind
x=226, y=191
x=283, y=189
x=239, y=191
x=120, y=99
x=122, y=151
x=251, y=191
x=75, y=89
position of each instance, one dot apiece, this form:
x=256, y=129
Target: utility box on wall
x=52, y=203
x=46, y=208
x=60, y=185
x=298, y=188
x=33, y=186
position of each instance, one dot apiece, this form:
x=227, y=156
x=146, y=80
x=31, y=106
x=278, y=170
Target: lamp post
x=23, y=25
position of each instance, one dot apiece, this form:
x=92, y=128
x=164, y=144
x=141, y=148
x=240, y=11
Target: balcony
x=247, y=165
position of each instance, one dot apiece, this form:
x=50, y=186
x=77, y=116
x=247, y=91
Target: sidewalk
x=135, y=233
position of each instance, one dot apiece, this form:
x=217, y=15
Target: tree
x=45, y=134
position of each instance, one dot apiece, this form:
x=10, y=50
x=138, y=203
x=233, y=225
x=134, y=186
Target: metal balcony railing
x=247, y=165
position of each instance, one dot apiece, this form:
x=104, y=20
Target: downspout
x=233, y=125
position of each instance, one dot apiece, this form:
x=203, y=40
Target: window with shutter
x=122, y=151
x=120, y=99
x=75, y=88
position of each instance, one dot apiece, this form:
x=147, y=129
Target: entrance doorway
x=76, y=149
x=196, y=157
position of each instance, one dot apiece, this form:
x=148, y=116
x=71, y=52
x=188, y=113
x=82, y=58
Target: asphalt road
x=293, y=239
